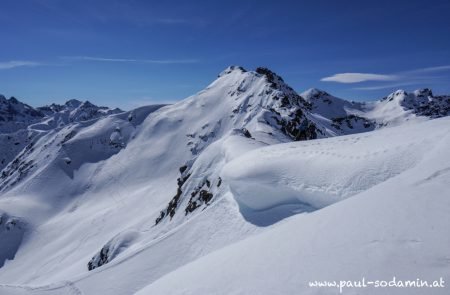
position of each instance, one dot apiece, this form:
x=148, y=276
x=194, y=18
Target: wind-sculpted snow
x=396, y=228
x=140, y=201
x=320, y=173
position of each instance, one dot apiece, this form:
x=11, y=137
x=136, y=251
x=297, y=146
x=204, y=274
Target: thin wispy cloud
x=429, y=70
x=6, y=65
x=358, y=77
x=387, y=86
x=412, y=77
x=130, y=60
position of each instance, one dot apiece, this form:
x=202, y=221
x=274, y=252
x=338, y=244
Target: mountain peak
x=396, y=94
x=231, y=69
x=14, y=100
x=271, y=76
x=424, y=92
x=87, y=104
x=74, y=103
x=314, y=93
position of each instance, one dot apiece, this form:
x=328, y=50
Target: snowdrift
x=396, y=228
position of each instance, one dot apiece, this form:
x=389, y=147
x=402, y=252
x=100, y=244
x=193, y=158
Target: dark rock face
x=271, y=76
x=183, y=168
x=425, y=92
x=246, y=133
x=422, y=102
x=438, y=107
x=296, y=126
x=112, y=248
x=173, y=204
x=205, y=196
x=200, y=196
x=102, y=259
x=16, y=170
x=68, y=136
x=289, y=98
x=12, y=230
x=289, y=110
x=350, y=121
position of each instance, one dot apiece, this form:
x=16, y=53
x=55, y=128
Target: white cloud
x=6, y=65
x=422, y=74
x=358, y=77
x=128, y=60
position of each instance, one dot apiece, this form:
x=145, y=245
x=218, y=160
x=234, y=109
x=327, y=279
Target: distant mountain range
x=20, y=123
x=15, y=115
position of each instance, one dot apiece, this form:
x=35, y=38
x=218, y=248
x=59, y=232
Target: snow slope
x=77, y=180
x=326, y=171
x=127, y=202
x=394, y=227
x=401, y=107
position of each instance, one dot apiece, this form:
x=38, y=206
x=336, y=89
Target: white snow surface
x=282, y=213
x=393, y=226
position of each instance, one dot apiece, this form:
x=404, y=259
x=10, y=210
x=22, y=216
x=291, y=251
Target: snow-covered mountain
x=15, y=115
x=166, y=199
x=21, y=124
x=401, y=106
x=74, y=111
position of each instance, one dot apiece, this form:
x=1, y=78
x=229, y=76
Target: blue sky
x=130, y=53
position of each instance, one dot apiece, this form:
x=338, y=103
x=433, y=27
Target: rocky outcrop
x=12, y=230
x=200, y=196
x=114, y=247
x=421, y=102
x=351, y=121
x=173, y=203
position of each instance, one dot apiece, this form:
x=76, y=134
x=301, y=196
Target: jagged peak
x=424, y=92
x=274, y=79
x=314, y=93
x=87, y=104
x=74, y=103
x=401, y=94
x=14, y=102
x=231, y=69
x=396, y=94
x=12, y=99
x=270, y=75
